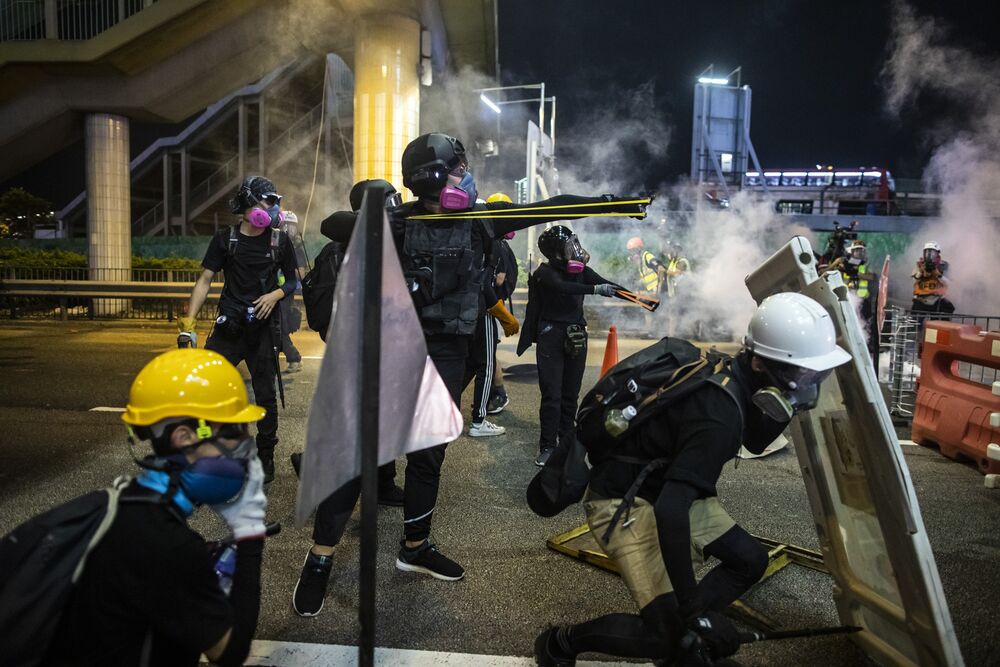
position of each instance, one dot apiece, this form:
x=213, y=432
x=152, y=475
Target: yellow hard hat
x=189, y=382
x=499, y=196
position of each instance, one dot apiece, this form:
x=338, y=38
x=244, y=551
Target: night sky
x=814, y=68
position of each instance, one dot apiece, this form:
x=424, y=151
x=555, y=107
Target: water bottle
x=616, y=421
x=225, y=567
x=250, y=318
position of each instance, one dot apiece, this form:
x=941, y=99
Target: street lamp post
x=532, y=157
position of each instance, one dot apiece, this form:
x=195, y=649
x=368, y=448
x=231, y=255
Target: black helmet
x=358, y=192
x=427, y=161
x=552, y=242
x=253, y=190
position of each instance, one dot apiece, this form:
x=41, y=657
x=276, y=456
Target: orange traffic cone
x=610, y=351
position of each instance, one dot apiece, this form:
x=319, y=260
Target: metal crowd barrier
x=902, y=337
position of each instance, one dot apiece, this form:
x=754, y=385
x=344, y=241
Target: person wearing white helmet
x=660, y=491
x=930, y=286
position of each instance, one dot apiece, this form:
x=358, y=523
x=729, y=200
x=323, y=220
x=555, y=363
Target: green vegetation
x=29, y=258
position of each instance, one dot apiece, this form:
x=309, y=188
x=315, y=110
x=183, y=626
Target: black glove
x=711, y=637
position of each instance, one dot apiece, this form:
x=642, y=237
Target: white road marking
x=298, y=654
x=307, y=356
x=105, y=408
x=908, y=443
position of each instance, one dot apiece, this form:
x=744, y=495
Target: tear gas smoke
x=965, y=166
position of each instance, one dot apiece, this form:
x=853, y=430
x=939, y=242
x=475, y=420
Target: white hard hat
x=931, y=245
x=793, y=329
x=290, y=216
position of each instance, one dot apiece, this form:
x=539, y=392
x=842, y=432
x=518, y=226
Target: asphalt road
x=54, y=447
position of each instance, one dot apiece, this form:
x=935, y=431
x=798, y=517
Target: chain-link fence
x=902, y=337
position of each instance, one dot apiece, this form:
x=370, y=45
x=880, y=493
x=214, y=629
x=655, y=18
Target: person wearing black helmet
x=444, y=262
x=554, y=321
x=251, y=252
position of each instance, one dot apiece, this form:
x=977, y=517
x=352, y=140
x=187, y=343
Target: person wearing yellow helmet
x=151, y=586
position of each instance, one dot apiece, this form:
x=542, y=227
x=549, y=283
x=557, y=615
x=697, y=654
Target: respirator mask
x=509, y=235
x=207, y=480
x=459, y=197
x=576, y=257
x=793, y=390
x=268, y=216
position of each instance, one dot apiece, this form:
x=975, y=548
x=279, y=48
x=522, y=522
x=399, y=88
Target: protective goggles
x=792, y=377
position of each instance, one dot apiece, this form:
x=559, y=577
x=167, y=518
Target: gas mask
x=932, y=256
x=793, y=390
x=262, y=219
x=574, y=254
x=459, y=197
x=857, y=257
x=208, y=480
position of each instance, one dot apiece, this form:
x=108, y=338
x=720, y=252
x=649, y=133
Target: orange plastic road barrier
x=960, y=415
x=610, y=350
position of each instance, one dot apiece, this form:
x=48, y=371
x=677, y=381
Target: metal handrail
x=65, y=20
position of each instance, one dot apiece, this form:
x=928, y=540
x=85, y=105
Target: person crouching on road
x=149, y=593
x=676, y=517
x=554, y=320
x=248, y=326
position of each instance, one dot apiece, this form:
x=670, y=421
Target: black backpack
x=319, y=285
x=40, y=562
x=507, y=264
x=649, y=380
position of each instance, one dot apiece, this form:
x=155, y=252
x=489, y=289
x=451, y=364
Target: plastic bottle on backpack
x=250, y=317
x=616, y=421
x=225, y=567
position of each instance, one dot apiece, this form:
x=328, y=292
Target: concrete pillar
x=386, y=95
x=109, y=212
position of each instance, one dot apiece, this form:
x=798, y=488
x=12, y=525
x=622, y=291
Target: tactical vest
x=647, y=275
x=439, y=259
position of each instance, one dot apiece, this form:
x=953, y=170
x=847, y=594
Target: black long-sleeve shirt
x=560, y=294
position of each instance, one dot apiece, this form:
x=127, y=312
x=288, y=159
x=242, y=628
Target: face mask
x=509, y=235
x=797, y=390
x=262, y=219
x=576, y=256
x=214, y=480
x=459, y=197
x=854, y=260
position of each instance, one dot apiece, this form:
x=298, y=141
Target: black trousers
x=423, y=467
x=333, y=513
x=255, y=348
x=481, y=365
x=559, y=379
x=654, y=631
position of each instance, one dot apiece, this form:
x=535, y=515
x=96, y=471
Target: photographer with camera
x=247, y=328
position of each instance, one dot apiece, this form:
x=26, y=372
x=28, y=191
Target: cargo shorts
x=635, y=548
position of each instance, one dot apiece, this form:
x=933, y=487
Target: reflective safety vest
x=856, y=283
x=675, y=268
x=647, y=275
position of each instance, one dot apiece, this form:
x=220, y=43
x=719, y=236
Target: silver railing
x=902, y=338
x=68, y=20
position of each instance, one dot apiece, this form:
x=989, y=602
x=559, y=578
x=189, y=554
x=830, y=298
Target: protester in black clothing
x=676, y=517
x=149, y=593
x=333, y=513
x=247, y=328
x=443, y=260
x=554, y=321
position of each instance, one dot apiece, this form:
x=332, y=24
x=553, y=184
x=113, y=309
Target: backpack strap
x=233, y=240
x=629, y=499
x=114, y=495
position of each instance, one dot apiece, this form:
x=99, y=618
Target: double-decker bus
x=860, y=191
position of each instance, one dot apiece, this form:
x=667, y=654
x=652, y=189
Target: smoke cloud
x=926, y=61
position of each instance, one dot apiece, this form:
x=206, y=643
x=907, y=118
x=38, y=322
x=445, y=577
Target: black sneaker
x=296, y=460
x=427, y=559
x=390, y=495
x=548, y=653
x=543, y=456
x=498, y=401
x=310, y=590
x=267, y=463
